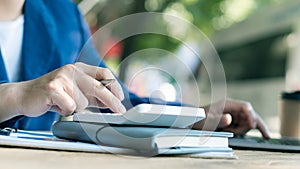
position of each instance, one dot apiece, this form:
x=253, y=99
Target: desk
x=44, y=159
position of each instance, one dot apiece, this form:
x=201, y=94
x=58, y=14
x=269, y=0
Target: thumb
x=225, y=121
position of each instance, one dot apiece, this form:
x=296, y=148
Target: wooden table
x=44, y=159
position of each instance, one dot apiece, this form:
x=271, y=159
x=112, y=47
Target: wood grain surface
x=45, y=159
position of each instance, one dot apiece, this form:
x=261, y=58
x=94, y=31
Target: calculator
x=147, y=115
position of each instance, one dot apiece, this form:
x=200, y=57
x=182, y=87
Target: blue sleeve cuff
x=11, y=123
x=3, y=81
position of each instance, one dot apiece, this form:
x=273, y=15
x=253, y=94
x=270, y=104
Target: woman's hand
x=66, y=90
x=237, y=117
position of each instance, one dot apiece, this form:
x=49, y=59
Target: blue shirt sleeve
x=91, y=56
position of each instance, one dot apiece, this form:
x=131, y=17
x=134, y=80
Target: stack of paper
x=146, y=129
x=147, y=140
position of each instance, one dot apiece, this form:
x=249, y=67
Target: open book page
x=46, y=140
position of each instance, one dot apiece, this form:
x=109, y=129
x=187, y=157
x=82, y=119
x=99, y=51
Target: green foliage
x=207, y=15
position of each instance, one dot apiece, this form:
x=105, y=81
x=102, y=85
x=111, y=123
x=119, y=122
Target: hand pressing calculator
x=147, y=115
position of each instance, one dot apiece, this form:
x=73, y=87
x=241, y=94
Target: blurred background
x=258, y=42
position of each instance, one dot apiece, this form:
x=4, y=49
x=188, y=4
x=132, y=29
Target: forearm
x=10, y=101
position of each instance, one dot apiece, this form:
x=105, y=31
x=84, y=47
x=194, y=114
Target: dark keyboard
x=285, y=141
x=257, y=143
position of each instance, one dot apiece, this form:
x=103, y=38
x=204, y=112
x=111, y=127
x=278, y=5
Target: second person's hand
x=236, y=116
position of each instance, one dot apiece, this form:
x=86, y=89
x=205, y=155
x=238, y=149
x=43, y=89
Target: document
x=47, y=141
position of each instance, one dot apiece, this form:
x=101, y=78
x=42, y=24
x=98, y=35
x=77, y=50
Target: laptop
x=257, y=143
